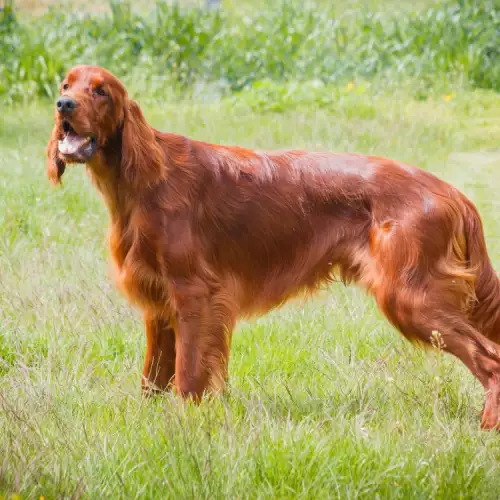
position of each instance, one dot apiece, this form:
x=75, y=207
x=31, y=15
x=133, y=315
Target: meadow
x=325, y=400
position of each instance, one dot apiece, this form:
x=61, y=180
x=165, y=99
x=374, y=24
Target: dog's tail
x=486, y=310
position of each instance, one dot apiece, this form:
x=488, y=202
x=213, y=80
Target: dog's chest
x=152, y=250
x=139, y=270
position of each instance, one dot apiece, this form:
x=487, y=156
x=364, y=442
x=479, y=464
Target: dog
x=202, y=234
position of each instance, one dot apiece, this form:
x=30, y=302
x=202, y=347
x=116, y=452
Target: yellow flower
x=449, y=97
x=349, y=86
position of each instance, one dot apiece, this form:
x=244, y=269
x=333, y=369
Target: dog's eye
x=99, y=91
x=65, y=86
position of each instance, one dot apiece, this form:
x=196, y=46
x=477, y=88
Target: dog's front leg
x=159, y=362
x=204, y=327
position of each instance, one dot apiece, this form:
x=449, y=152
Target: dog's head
x=92, y=109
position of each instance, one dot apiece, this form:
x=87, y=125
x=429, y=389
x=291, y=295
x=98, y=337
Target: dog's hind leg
x=426, y=317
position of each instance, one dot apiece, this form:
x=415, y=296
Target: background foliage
x=235, y=49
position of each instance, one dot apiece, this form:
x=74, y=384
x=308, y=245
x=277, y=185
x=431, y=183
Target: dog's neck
x=123, y=195
x=104, y=171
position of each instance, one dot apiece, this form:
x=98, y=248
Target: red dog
x=202, y=234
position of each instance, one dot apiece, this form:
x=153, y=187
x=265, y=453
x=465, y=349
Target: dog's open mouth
x=75, y=147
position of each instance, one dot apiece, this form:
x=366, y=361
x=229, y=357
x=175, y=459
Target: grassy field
x=326, y=400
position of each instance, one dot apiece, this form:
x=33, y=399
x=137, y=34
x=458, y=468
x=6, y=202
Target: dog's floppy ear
x=55, y=166
x=142, y=158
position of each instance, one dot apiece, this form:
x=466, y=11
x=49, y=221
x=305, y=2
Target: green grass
x=325, y=399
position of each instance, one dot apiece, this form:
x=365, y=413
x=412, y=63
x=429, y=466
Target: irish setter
x=201, y=234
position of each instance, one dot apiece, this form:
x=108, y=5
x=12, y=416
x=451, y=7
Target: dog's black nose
x=65, y=105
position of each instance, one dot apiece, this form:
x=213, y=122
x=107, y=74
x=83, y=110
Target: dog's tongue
x=71, y=144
